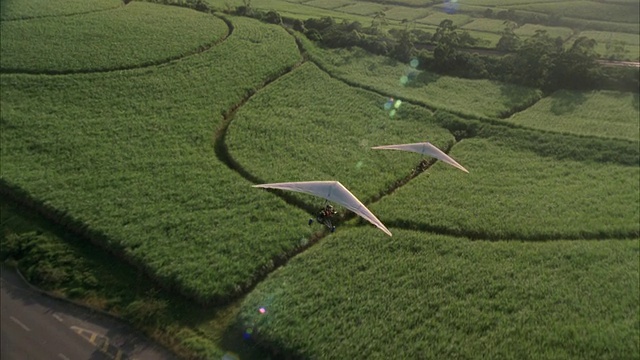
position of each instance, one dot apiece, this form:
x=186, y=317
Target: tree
x=533, y=62
x=273, y=17
x=576, y=68
x=447, y=42
x=509, y=41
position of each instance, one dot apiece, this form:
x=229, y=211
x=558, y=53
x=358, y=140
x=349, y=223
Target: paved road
x=35, y=327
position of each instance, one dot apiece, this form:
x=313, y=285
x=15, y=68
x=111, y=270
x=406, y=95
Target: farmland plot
x=134, y=35
x=481, y=98
x=598, y=113
x=421, y=295
x=295, y=132
x=130, y=155
x=590, y=10
x=18, y=9
x=514, y=193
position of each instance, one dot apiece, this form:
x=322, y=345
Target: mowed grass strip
x=606, y=114
x=130, y=156
x=480, y=98
x=18, y=9
x=308, y=126
x=514, y=193
x=138, y=34
x=358, y=295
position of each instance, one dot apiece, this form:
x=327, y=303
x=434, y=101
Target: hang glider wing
x=333, y=191
x=424, y=148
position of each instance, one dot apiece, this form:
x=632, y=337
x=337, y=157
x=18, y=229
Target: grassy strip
x=127, y=159
x=598, y=113
x=138, y=34
x=17, y=9
x=68, y=266
x=513, y=193
x=295, y=132
x=356, y=295
x=482, y=98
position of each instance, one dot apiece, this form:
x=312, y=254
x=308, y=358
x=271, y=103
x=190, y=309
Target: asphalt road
x=37, y=327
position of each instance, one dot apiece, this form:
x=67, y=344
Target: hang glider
x=333, y=191
x=424, y=148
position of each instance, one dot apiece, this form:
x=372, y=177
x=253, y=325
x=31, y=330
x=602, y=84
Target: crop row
x=135, y=35
x=129, y=155
x=427, y=296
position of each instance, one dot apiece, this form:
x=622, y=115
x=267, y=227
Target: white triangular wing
x=333, y=191
x=424, y=148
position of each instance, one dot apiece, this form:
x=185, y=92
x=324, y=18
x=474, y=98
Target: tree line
x=539, y=61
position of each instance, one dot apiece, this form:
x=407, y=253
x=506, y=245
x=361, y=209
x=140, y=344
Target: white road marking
x=19, y=323
x=61, y=356
x=57, y=317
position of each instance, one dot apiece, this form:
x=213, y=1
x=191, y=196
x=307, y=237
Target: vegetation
x=482, y=98
x=155, y=167
x=421, y=295
x=16, y=9
x=127, y=159
x=68, y=266
x=599, y=113
x=527, y=199
x=136, y=35
x=325, y=132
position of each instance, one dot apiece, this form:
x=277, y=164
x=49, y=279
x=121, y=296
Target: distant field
x=401, y=13
x=437, y=17
x=512, y=192
x=362, y=8
x=488, y=25
x=328, y=4
x=131, y=156
x=138, y=34
x=481, y=97
x=17, y=9
x=427, y=296
x=553, y=31
x=325, y=132
x=589, y=10
x=621, y=46
x=598, y=113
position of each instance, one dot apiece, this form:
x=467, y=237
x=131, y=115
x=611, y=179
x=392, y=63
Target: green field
x=481, y=98
x=428, y=296
x=17, y=9
x=139, y=34
x=553, y=31
x=599, y=113
x=130, y=156
x=512, y=192
x=325, y=132
x=590, y=10
x=533, y=254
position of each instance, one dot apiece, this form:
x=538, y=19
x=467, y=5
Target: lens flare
x=414, y=63
x=262, y=310
x=404, y=79
x=247, y=333
x=397, y=104
x=392, y=113
x=359, y=164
